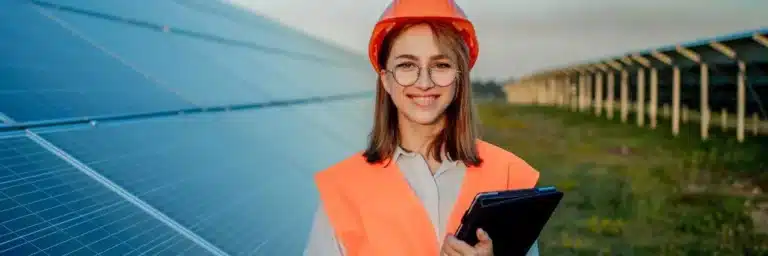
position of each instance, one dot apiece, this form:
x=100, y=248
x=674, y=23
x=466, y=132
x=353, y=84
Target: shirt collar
x=399, y=151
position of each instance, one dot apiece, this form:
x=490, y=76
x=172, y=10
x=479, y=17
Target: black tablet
x=513, y=219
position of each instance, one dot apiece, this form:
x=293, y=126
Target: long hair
x=458, y=137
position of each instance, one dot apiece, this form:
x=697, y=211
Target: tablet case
x=513, y=219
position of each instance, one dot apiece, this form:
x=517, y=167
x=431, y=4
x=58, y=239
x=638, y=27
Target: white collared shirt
x=438, y=192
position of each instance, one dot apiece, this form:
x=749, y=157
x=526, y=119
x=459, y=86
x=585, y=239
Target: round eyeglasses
x=408, y=74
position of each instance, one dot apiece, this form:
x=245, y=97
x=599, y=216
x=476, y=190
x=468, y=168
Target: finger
x=484, y=245
x=483, y=236
x=460, y=246
x=447, y=250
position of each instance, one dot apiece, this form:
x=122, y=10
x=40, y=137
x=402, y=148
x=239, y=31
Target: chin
x=423, y=118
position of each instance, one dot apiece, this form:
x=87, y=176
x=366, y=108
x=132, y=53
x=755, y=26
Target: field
x=637, y=191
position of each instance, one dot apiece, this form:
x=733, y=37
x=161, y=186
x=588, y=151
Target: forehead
x=417, y=40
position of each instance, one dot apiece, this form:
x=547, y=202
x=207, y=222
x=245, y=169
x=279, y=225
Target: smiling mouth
x=423, y=100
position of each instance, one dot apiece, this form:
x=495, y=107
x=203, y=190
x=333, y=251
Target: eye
x=406, y=66
x=442, y=66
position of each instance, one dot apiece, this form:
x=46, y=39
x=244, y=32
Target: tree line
x=488, y=89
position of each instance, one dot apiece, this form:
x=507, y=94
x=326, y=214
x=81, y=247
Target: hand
x=452, y=246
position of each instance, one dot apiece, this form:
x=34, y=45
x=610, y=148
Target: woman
x=406, y=193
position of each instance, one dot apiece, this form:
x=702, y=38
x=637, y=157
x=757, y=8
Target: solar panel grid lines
x=48, y=207
x=134, y=182
x=45, y=221
x=126, y=195
x=231, y=139
x=142, y=221
x=284, y=229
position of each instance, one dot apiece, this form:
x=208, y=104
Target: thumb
x=482, y=236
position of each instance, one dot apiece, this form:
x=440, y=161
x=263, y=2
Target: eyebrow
x=413, y=57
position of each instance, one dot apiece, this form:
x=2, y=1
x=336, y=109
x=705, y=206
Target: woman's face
x=425, y=101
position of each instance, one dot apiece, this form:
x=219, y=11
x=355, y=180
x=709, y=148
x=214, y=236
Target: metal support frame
x=625, y=101
x=593, y=85
x=740, y=85
x=582, y=90
x=623, y=87
x=675, y=89
x=654, y=97
x=599, y=86
x=704, y=110
x=644, y=64
x=592, y=73
x=741, y=100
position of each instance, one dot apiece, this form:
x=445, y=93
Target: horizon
x=557, y=33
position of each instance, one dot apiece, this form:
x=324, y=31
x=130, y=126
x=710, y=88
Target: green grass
x=637, y=191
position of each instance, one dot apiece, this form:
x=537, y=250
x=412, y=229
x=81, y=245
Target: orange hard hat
x=401, y=11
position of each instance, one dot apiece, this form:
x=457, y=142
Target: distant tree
x=487, y=89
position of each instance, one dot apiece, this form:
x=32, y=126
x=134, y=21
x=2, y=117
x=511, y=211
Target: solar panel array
x=167, y=127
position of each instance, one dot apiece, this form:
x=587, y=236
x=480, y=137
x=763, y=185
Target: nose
x=424, y=82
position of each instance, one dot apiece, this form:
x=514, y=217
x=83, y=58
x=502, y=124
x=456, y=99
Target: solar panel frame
x=182, y=173
x=5, y=120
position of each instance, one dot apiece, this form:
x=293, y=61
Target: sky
x=519, y=37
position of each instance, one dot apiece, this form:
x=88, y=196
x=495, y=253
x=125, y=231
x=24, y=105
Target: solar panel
x=357, y=116
x=241, y=180
x=180, y=64
x=256, y=21
x=211, y=73
x=196, y=17
x=49, y=73
x=162, y=13
x=48, y=207
x=177, y=72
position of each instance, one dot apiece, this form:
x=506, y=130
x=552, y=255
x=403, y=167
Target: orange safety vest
x=373, y=210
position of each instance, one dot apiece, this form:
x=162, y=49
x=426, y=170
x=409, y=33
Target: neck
x=416, y=137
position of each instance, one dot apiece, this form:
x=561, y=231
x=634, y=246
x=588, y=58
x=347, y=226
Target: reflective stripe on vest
x=373, y=210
